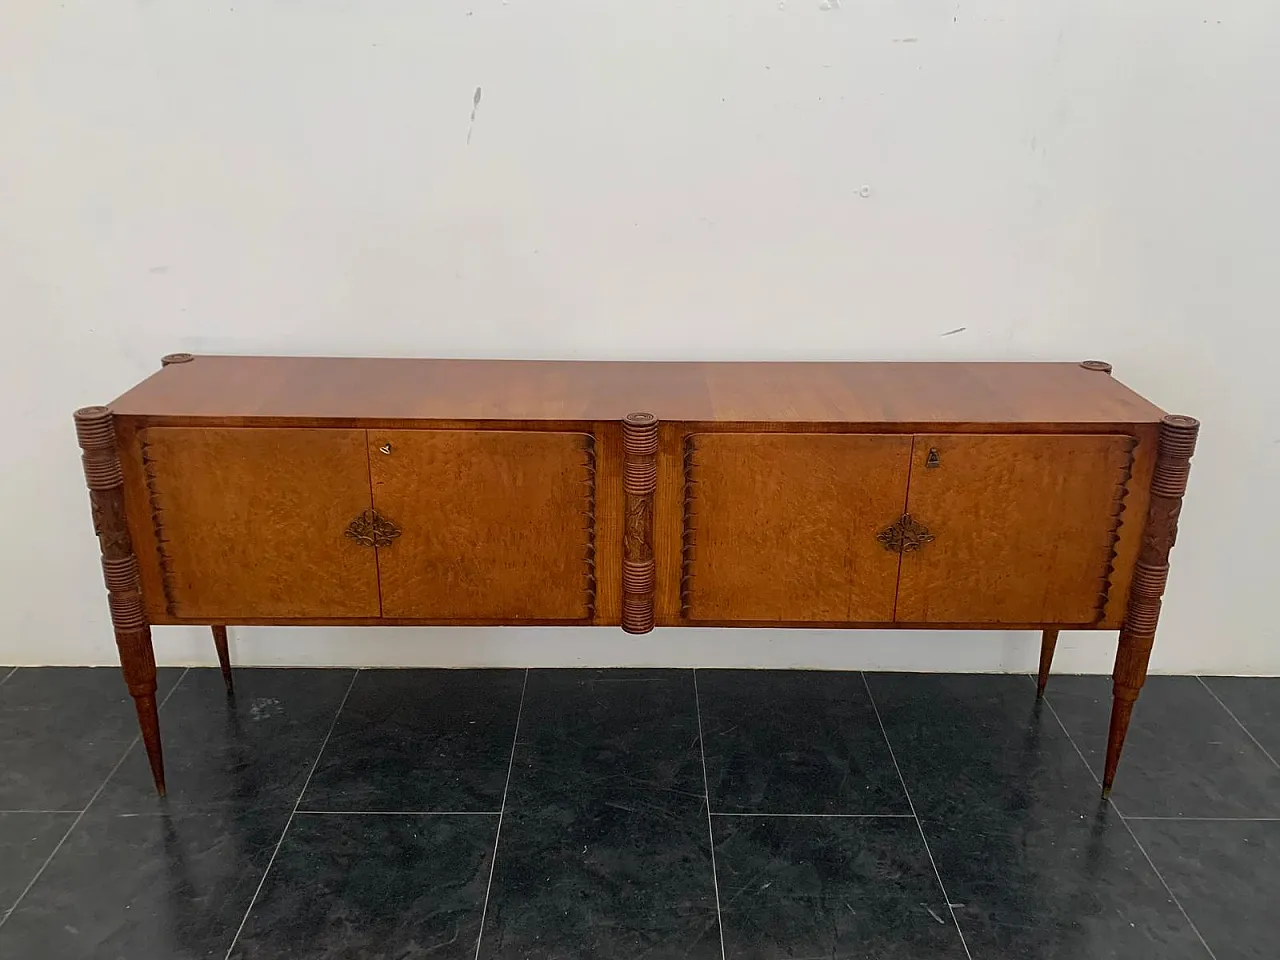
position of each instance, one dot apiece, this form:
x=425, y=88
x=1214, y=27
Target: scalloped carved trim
x=1119, y=502
x=157, y=524
x=688, y=531
x=589, y=562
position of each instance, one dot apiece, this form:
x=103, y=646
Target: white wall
x=648, y=179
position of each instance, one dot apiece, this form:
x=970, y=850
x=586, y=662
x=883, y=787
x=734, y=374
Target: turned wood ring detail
x=639, y=481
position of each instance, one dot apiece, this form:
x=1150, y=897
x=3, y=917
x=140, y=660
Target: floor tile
x=1226, y=876
x=795, y=742
x=253, y=750
x=420, y=740
x=1255, y=701
x=1057, y=886
x=970, y=744
x=373, y=887
x=628, y=736
x=1184, y=755
x=139, y=887
x=26, y=840
x=830, y=887
x=605, y=849
x=84, y=716
x=1039, y=868
x=587, y=877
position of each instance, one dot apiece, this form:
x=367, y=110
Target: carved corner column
x=95, y=431
x=639, y=481
x=1168, y=484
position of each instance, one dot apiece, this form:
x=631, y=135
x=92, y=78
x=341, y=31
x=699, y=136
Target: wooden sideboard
x=283, y=490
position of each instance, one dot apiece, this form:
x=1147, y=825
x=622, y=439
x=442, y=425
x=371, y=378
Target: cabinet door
x=494, y=524
x=782, y=527
x=251, y=522
x=1024, y=528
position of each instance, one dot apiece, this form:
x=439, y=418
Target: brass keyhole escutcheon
x=933, y=460
x=385, y=448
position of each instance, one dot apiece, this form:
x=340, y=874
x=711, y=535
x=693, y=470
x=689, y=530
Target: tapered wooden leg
x=95, y=431
x=137, y=660
x=224, y=656
x=1048, y=644
x=1137, y=635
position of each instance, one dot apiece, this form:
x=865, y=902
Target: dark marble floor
x=626, y=814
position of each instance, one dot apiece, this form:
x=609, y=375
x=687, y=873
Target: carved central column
x=639, y=481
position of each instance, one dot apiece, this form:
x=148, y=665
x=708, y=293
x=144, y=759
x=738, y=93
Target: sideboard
x=291, y=490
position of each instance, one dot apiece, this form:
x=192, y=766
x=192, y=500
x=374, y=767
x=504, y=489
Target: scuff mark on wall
x=950, y=333
x=475, y=105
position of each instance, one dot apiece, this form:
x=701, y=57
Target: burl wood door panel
x=251, y=522
x=782, y=527
x=495, y=524
x=1025, y=528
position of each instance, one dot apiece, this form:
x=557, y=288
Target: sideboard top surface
x=347, y=388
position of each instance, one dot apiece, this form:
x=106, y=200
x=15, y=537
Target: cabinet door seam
x=906, y=509
x=373, y=505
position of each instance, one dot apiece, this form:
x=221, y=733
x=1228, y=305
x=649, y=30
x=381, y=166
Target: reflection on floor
x=636, y=813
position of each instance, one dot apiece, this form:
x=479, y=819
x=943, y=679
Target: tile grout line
x=497, y=834
x=1138, y=843
x=1207, y=819
x=825, y=816
x=1079, y=753
x=915, y=816
x=395, y=813
x=80, y=814
x=1248, y=733
x=288, y=823
x=706, y=795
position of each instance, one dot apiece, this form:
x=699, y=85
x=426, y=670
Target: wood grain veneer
x=229, y=389
x=783, y=526
x=494, y=524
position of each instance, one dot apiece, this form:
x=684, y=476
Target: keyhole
x=386, y=448
x=933, y=459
